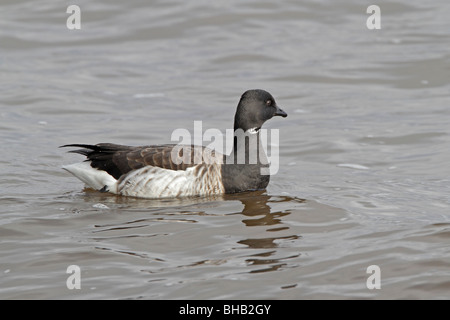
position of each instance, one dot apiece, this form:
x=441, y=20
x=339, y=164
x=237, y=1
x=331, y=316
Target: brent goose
x=157, y=172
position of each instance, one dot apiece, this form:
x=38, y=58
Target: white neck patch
x=253, y=130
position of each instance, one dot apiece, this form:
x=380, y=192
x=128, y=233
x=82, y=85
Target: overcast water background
x=364, y=153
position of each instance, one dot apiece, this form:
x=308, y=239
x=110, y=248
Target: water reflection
x=264, y=244
x=257, y=206
x=143, y=203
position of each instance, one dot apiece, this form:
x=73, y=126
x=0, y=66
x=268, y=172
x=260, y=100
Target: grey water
x=364, y=154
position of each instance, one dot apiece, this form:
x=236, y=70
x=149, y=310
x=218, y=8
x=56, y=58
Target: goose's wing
x=118, y=160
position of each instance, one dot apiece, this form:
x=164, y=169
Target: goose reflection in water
x=259, y=212
x=270, y=241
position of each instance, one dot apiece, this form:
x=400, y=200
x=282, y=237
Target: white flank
x=96, y=179
x=153, y=182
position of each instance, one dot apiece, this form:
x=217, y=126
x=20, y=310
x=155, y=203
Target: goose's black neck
x=242, y=169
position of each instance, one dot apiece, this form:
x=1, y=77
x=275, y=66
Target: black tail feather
x=87, y=148
x=100, y=147
x=105, y=156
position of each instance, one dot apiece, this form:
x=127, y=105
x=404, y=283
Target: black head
x=255, y=108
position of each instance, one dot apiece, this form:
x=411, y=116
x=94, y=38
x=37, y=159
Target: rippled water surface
x=364, y=153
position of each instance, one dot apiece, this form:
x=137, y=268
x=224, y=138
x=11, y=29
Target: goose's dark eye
x=269, y=103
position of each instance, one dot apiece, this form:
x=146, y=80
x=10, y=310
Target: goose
x=158, y=171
